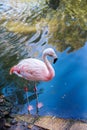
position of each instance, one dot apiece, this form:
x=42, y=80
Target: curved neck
x=51, y=72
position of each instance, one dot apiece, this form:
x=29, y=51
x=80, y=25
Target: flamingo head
x=50, y=52
x=13, y=70
x=55, y=59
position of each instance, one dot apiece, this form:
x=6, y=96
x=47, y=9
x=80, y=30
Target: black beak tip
x=55, y=60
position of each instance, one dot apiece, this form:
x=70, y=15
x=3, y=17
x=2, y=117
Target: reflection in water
x=66, y=26
x=15, y=46
x=64, y=96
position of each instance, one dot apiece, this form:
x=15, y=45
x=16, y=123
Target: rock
x=30, y=126
x=26, y=118
x=79, y=126
x=1, y=100
x=13, y=122
x=38, y=128
x=5, y=106
x=25, y=124
x=52, y=123
x=2, y=96
x=7, y=125
x=2, y=123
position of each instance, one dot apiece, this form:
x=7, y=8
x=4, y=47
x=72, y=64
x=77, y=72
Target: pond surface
x=66, y=94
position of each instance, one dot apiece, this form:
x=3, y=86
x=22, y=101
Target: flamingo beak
x=11, y=70
x=55, y=60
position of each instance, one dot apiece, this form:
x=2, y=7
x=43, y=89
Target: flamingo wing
x=32, y=69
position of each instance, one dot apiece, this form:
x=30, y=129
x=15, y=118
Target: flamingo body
x=34, y=69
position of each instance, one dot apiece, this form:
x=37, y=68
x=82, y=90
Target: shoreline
x=30, y=122
x=9, y=121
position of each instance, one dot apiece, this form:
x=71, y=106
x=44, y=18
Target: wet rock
x=7, y=125
x=13, y=122
x=25, y=124
x=25, y=118
x=38, y=128
x=5, y=106
x=52, y=123
x=2, y=123
x=1, y=100
x=19, y=126
x=29, y=122
x=79, y=126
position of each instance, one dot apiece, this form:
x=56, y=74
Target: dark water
x=64, y=96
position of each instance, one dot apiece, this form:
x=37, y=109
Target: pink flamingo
x=36, y=70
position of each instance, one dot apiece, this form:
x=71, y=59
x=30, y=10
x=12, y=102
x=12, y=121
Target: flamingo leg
x=35, y=90
x=28, y=102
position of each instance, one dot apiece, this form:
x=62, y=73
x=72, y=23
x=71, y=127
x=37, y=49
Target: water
x=65, y=95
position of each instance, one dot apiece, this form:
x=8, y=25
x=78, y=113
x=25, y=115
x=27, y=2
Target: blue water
x=66, y=94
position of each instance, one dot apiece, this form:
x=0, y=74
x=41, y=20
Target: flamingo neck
x=51, y=72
